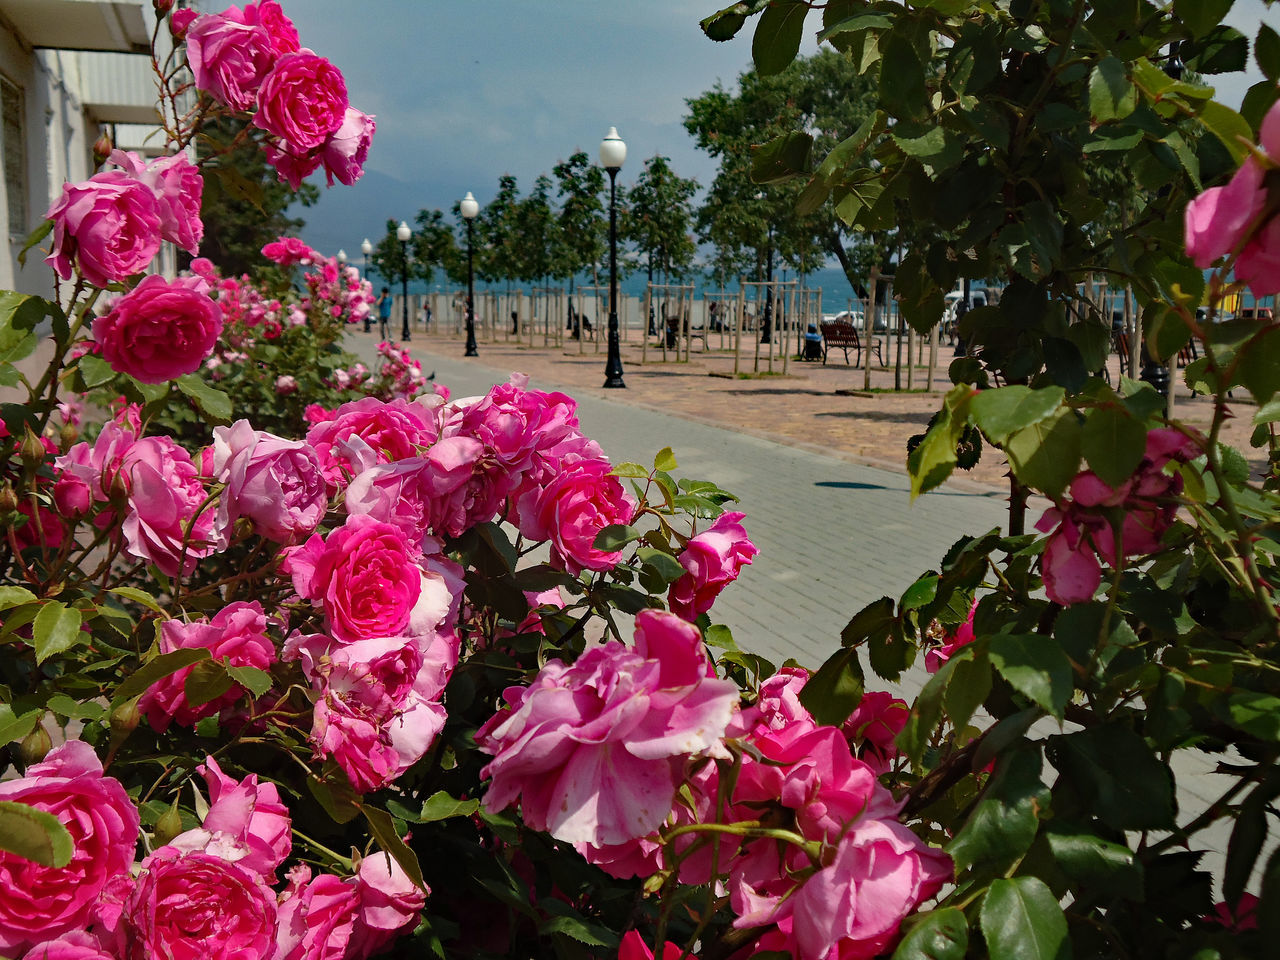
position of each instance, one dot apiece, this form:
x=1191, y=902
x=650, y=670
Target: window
x=15, y=160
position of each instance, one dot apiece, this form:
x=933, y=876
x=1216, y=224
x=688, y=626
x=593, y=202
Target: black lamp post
x=766, y=329
x=402, y=234
x=469, y=208
x=367, y=248
x=613, y=153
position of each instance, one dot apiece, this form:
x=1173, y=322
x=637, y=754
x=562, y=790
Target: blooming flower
x=713, y=560
x=108, y=225
x=276, y=483
x=160, y=330
x=594, y=750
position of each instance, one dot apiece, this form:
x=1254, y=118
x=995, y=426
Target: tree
x=244, y=204
x=536, y=233
x=496, y=231
x=434, y=245
x=659, y=218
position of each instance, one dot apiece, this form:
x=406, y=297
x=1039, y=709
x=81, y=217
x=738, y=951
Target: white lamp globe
x=403, y=232
x=613, y=151
x=469, y=207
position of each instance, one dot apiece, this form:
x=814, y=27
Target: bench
x=842, y=334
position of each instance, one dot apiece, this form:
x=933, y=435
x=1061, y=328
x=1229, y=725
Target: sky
x=467, y=90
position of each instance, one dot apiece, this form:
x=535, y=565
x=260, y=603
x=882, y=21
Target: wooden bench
x=842, y=334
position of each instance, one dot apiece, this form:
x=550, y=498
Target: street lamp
x=613, y=152
x=342, y=258
x=367, y=248
x=469, y=208
x=402, y=234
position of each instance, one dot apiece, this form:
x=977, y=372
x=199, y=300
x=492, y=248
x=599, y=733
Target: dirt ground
x=801, y=408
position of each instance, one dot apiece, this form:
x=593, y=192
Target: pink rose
x=633, y=947
x=180, y=21
x=778, y=706
x=935, y=657
x=288, y=251
x=1217, y=221
x=189, y=906
x=161, y=329
x=178, y=188
x=572, y=509
x=872, y=729
x=276, y=483
x=162, y=524
x=42, y=903
x=286, y=385
x=1259, y=262
x=392, y=430
x=109, y=225
x=292, y=165
x=594, y=750
x=316, y=917
x=346, y=150
x=269, y=15
x=228, y=59
x=713, y=559
x=237, y=634
x=250, y=813
x=390, y=905
x=74, y=945
x=302, y=100
x=364, y=575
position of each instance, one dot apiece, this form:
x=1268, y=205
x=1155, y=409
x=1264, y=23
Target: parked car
x=858, y=319
x=1256, y=313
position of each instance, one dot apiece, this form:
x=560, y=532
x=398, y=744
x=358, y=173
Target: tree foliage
x=659, y=218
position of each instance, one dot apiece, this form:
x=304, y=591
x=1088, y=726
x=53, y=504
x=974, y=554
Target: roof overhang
x=79, y=24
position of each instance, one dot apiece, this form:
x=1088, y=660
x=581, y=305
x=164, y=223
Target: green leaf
x=616, y=536
x=969, y=686
x=919, y=593
x=1116, y=773
x=1022, y=920
x=1228, y=126
x=15, y=596
x=1255, y=713
x=56, y=628
x=592, y=934
x=94, y=370
x=833, y=693
x=725, y=24
x=664, y=461
x=630, y=469
x=441, y=806
x=336, y=796
x=903, y=92
x=1095, y=864
x=936, y=935
x=782, y=158
x=1046, y=455
x=932, y=461
x=873, y=621
x=207, y=681
x=34, y=835
x=1001, y=412
x=1258, y=365
x=719, y=637
x=15, y=726
x=256, y=681
x=138, y=596
x=158, y=669
x=1269, y=900
x=1111, y=95
x=33, y=239
x=1201, y=16
x=388, y=837
x=214, y=404
x=1266, y=50
x=1113, y=443
x=239, y=187
x=19, y=315
x=1006, y=818
x=777, y=38
x=666, y=566
x=855, y=24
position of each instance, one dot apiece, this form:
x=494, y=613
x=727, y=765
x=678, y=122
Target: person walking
x=384, y=312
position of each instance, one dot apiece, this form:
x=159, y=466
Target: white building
x=69, y=71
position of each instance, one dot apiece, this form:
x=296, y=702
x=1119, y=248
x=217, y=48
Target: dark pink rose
x=229, y=59
x=302, y=100
x=161, y=329
x=42, y=903
x=573, y=507
x=872, y=729
x=180, y=21
x=269, y=15
x=364, y=575
x=276, y=483
x=288, y=251
x=594, y=751
x=633, y=947
x=237, y=634
x=251, y=814
x=1259, y=262
x=392, y=431
x=164, y=523
x=316, y=917
x=189, y=906
x=109, y=226
x=1217, y=221
x=292, y=166
x=778, y=706
x=713, y=559
x=178, y=187
x=390, y=905
x=75, y=945
x=935, y=657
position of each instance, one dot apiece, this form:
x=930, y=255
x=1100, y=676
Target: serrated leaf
x=1111, y=94
x=15, y=726
x=33, y=239
x=936, y=935
x=591, y=934
x=1094, y=863
x=833, y=693
x=782, y=158
x=1114, y=770
x=1003, y=411
x=1113, y=444
x=1228, y=126
x=1004, y=822
x=94, y=370
x=213, y=403
x=56, y=628
x=1201, y=16
x=666, y=566
x=1266, y=51
x=207, y=681
x=665, y=460
x=34, y=835
x=139, y=596
x=777, y=38
x=1046, y=455
x=616, y=536
x=629, y=469
x=1022, y=920
x=1036, y=667
x=441, y=806
x=14, y=596
x=256, y=681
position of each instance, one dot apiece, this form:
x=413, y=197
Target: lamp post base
x=471, y=351
x=614, y=381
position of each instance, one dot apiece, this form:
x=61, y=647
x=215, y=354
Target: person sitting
x=586, y=326
x=812, y=343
